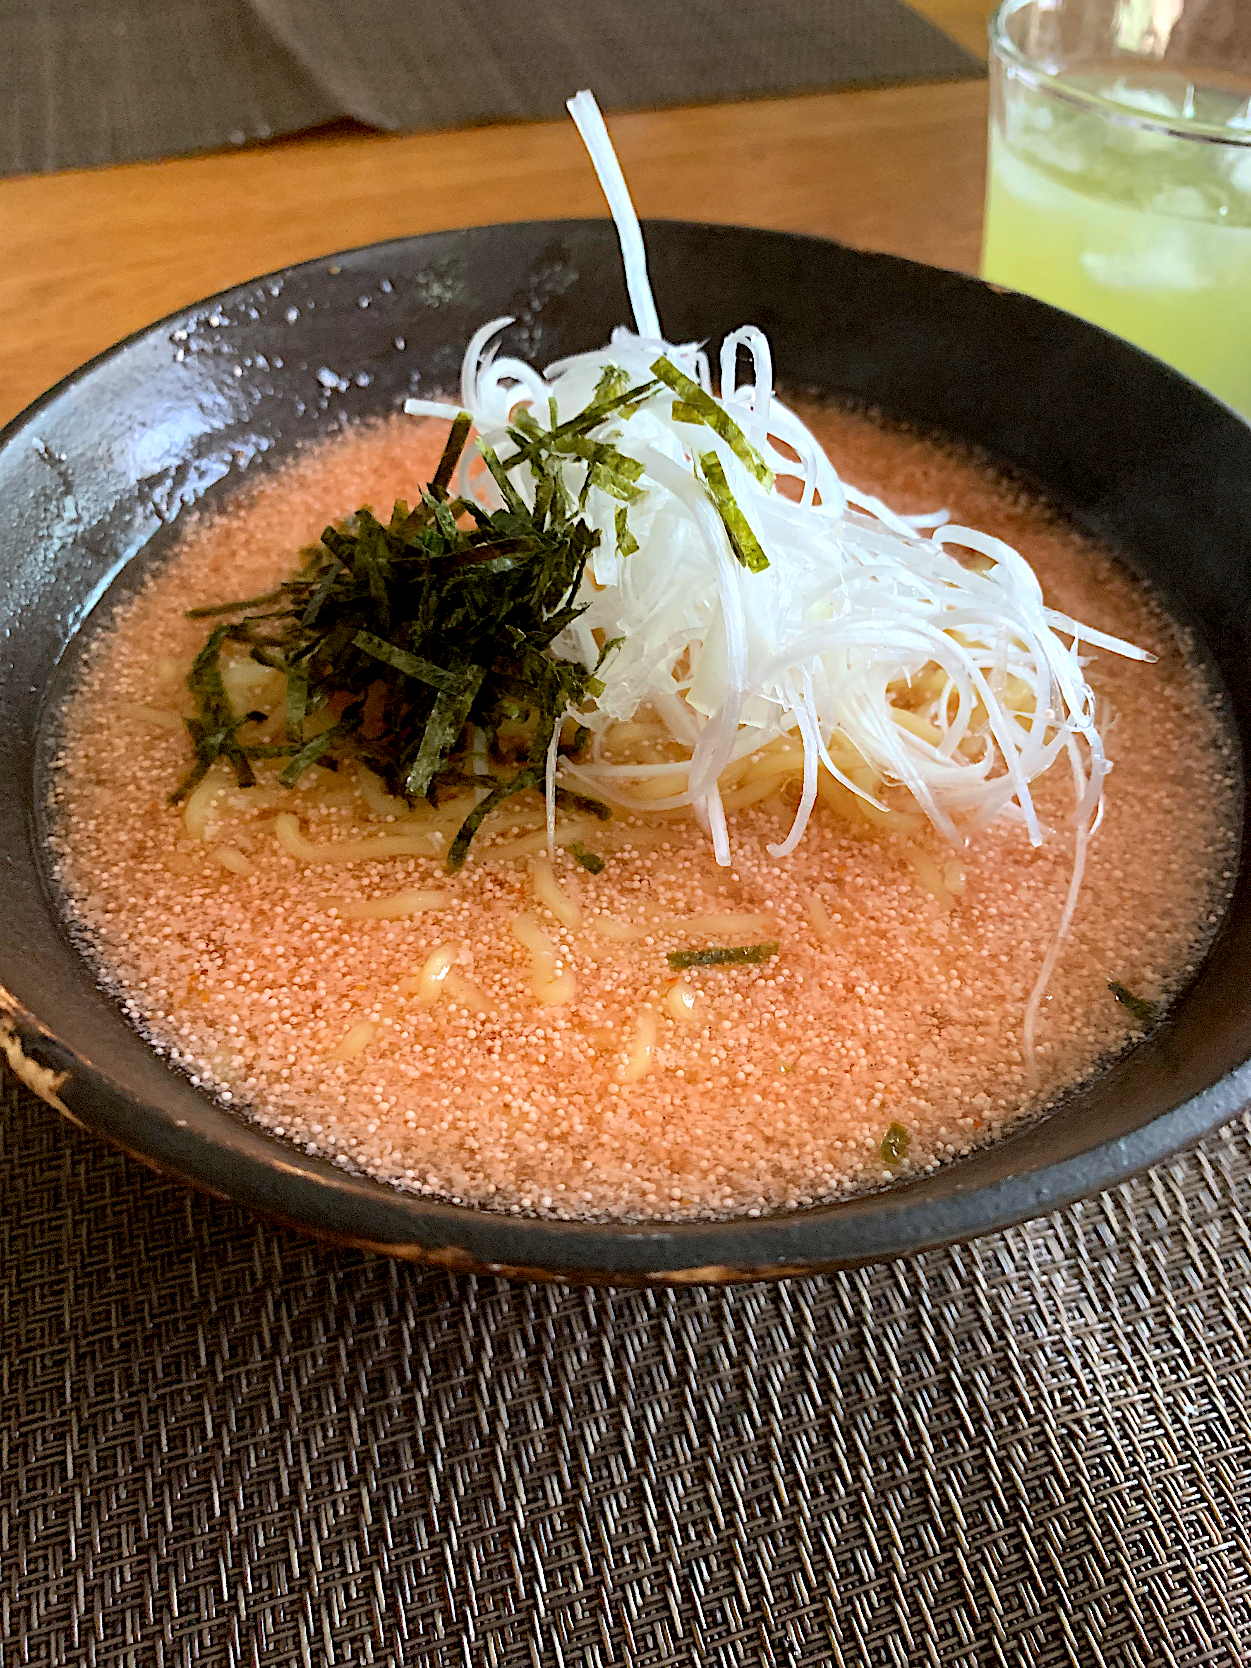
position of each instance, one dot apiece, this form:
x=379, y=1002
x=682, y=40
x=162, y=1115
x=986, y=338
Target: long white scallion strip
x=856, y=601
x=590, y=124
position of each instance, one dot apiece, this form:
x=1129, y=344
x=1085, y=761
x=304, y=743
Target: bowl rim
x=876, y=1225
x=885, y=1224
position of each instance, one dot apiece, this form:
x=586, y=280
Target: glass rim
x=1042, y=79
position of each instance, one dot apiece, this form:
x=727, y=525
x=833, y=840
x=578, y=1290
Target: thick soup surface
x=511, y=1042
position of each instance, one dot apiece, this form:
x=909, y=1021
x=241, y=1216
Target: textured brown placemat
x=225, y=1444
x=95, y=81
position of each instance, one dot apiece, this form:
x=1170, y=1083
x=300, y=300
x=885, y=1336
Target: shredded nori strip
x=544, y=451
x=695, y=406
x=570, y=801
x=1142, y=1010
x=627, y=544
x=214, y=731
x=744, y=543
x=895, y=1144
x=414, y=632
x=232, y=607
x=591, y=861
x=728, y=957
x=531, y=777
x=458, y=434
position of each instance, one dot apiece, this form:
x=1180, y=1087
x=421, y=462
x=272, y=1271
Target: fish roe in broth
x=557, y=1064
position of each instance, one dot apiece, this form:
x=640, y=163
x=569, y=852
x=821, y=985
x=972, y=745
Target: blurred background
x=117, y=80
x=152, y=151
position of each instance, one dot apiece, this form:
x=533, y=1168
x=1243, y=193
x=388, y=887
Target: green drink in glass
x=1119, y=181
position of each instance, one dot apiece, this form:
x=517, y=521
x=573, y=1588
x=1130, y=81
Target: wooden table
x=92, y=254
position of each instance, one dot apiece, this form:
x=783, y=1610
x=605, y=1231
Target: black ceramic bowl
x=93, y=477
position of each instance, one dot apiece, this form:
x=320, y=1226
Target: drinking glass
x=1119, y=179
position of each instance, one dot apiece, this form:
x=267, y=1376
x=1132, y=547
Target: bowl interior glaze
x=94, y=476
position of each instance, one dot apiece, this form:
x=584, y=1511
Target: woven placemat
x=94, y=81
x=226, y=1444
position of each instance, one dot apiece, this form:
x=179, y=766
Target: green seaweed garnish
x=591, y=861
x=568, y=800
x=609, y=468
x=530, y=777
x=743, y=542
x=454, y=445
x=214, y=731
x=895, y=1144
x=693, y=405
x=729, y=956
x=405, y=634
x=232, y=607
x=1141, y=1010
x=627, y=544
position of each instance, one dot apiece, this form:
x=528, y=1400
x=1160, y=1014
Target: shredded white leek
x=855, y=601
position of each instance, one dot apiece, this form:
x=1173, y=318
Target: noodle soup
x=627, y=1028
